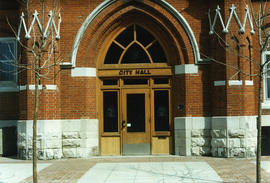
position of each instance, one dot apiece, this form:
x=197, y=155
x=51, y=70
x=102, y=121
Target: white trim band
x=249, y=82
x=23, y=87
x=186, y=69
x=32, y=87
x=83, y=72
x=51, y=87
x=219, y=83
x=235, y=82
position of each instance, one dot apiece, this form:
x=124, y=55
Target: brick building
x=138, y=81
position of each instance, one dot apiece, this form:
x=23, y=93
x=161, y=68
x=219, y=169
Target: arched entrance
x=135, y=94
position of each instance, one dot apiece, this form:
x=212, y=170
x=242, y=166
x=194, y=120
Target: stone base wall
x=192, y=136
x=80, y=138
x=231, y=136
x=234, y=136
x=58, y=138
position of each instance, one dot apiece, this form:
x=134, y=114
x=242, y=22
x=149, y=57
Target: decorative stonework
x=231, y=136
x=59, y=139
x=234, y=136
x=192, y=136
x=80, y=138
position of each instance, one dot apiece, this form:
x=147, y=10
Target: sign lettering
x=128, y=72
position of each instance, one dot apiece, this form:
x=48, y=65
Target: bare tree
x=259, y=13
x=40, y=47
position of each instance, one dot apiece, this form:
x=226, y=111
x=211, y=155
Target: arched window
x=135, y=45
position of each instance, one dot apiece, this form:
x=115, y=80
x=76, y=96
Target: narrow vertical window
x=110, y=111
x=161, y=102
x=249, y=58
x=267, y=82
x=8, y=59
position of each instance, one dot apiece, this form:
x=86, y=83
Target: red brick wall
x=76, y=97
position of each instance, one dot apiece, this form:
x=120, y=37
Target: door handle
x=123, y=124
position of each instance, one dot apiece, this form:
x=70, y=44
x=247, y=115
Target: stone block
x=236, y=133
x=198, y=142
x=71, y=142
x=69, y=152
x=57, y=153
x=237, y=152
x=217, y=142
x=243, y=142
x=248, y=122
x=177, y=150
x=196, y=133
x=201, y=122
x=86, y=143
x=218, y=152
x=233, y=122
x=182, y=123
x=234, y=143
x=182, y=151
x=180, y=141
x=251, y=142
x=205, y=150
x=206, y=133
x=89, y=125
x=49, y=154
x=195, y=151
x=86, y=135
x=251, y=133
x=250, y=152
x=53, y=144
x=71, y=135
x=199, y=151
x=94, y=151
x=218, y=133
x=219, y=123
x=71, y=125
x=182, y=133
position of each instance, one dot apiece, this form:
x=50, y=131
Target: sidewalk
x=144, y=169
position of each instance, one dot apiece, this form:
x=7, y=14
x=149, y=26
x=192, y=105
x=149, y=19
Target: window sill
x=9, y=89
x=266, y=105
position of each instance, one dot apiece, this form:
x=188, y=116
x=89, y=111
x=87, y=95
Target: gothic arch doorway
x=135, y=94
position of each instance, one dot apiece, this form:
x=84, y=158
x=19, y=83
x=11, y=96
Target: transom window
x=135, y=45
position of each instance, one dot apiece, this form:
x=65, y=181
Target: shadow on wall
x=8, y=141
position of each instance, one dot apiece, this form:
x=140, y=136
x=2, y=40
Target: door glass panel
x=110, y=111
x=161, y=81
x=135, y=81
x=136, y=112
x=110, y=82
x=161, y=110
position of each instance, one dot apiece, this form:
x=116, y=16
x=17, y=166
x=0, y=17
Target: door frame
x=115, y=139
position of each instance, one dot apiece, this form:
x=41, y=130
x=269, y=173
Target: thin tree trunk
x=35, y=180
x=259, y=127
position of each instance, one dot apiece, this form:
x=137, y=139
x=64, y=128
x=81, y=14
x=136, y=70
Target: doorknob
x=123, y=124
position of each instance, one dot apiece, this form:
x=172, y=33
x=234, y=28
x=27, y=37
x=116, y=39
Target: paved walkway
x=151, y=172
x=145, y=169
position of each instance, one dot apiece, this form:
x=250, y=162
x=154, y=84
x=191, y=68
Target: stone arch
x=107, y=3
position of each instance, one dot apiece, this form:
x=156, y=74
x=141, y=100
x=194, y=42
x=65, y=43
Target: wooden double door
x=134, y=113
